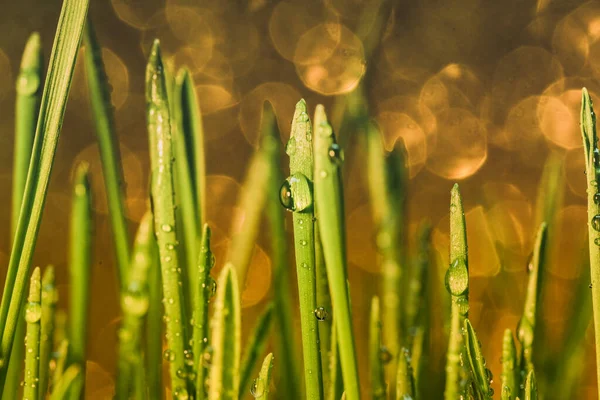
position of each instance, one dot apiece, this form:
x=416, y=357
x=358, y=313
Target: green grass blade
x=161, y=155
x=510, y=370
x=592, y=169
x=134, y=306
x=33, y=315
x=262, y=385
x=108, y=145
x=531, y=390
x=405, y=384
x=226, y=336
x=282, y=293
x=61, y=362
x=526, y=327
x=255, y=347
x=335, y=386
x=417, y=356
x=53, y=104
x=205, y=290
x=79, y=273
x=66, y=382
x=457, y=284
x=154, y=329
x=481, y=375
x=378, y=384
x=329, y=197
x=296, y=195
x=325, y=306
x=49, y=300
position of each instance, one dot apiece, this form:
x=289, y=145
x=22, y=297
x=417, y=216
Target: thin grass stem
x=378, y=384
x=62, y=353
x=261, y=387
x=66, y=382
x=335, y=387
x=531, y=390
x=49, y=300
x=255, y=347
x=154, y=324
x=510, y=371
x=33, y=315
x=405, y=383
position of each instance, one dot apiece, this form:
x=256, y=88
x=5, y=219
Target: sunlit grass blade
x=154, y=324
x=481, y=375
x=53, y=104
x=161, y=155
x=325, y=306
x=49, y=300
x=296, y=195
x=378, y=384
x=405, y=384
x=531, y=390
x=33, y=315
x=80, y=263
x=282, y=293
x=108, y=145
x=510, y=370
x=526, y=327
x=329, y=197
x=255, y=347
x=66, y=382
x=226, y=336
x=592, y=169
x=134, y=306
x=262, y=385
x=335, y=386
x=457, y=284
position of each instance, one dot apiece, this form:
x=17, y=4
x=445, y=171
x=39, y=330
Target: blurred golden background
x=481, y=92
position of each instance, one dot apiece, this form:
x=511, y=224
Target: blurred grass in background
x=481, y=93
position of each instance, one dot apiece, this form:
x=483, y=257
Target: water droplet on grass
x=385, y=355
x=335, y=153
x=321, y=313
x=33, y=312
x=596, y=222
x=457, y=278
x=166, y=228
x=258, y=387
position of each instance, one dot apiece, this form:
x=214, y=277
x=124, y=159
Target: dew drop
x=258, y=387
x=207, y=357
x=135, y=303
x=285, y=195
x=597, y=198
x=457, y=278
x=166, y=228
x=33, y=312
x=335, y=153
x=303, y=242
x=321, y=313
x=290, y=148
x=181, y=394
x=169, y=355
x=463, y=306
x=385, y=355
x=596, y=222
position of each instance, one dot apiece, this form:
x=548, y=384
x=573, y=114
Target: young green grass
x=255, y=347
x=65, y=383
x=405, y=383
x=329, y=197
x=378, y=385
x=162, y=194
x=510, y=377
x=80, y=263
x=53, y=103
x=531, y=391
x=480, y=374
x=33, y=315
x=457, y=284
x=61, y=362
x=296, y=195
x=154, y=331
x=108, y=145
x=335, y=387
x=225, y=338
x=49, y=300
x=261, y=386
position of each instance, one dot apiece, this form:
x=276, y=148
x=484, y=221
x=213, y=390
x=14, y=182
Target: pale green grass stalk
x=531, y=390
x=378, y=384
x=481, y=375
x=161, y=158
x=53, y=104
x=255, y=347
x=66, y=382
x=204, y=291
x=386, y=190
x=329, y=197
x=134, y=306
x=510, y=371
x=282, y=285
x=33, y=315
x=108, y=145
x=457, y=284
x=49, y=300
x=80, y=264
x=62, y=353
x=226, y=325
x=405, y=383
x=592, y=170
x=154, y=331
x=526, y=327
x=29, y=83
x=335, y=387
x=262, y=385
x=417, y=357
x=296, y=195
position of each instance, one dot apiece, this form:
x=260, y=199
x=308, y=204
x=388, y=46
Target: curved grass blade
x=53, y=104
x=205, y=289
x=526, y=327
x=296, y=195
x=33, y=315
x=592, y=168
x=457, y=284
x=255, y=347
x=405, y=384
x=161, y=155
x=49, y=300
x=262, y=385
x=66, y=382
x=79, y=273
x=226, y=336
x=134, y=305
x=154, y=329
x=481, y=375
x=378, y=385
x=531, y=390
x=510, y=374
x=282, y=297
x=329, y=197
x=108, y=145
